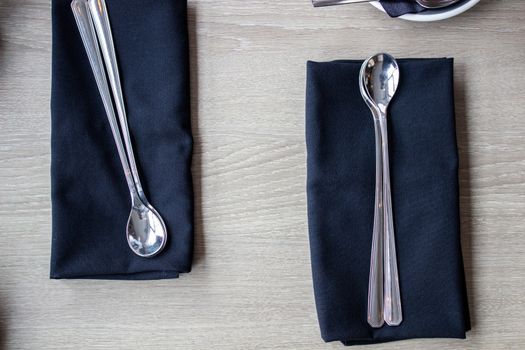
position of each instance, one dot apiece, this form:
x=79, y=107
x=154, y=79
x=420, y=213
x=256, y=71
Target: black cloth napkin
x=90, y=199
x=396, y=8
x=424, y=179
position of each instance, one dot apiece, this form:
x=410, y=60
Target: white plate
x=435, y=15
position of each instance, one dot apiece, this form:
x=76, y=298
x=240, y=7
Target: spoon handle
x=99, y=14
x=375, y=281
x=87, y=32
x=392, y=298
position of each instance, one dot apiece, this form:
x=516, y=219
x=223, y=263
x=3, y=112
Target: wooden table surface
x=251, y=282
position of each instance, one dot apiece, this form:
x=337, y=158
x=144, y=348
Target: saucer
x=435, y=15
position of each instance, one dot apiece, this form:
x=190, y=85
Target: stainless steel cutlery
x=146, y=232
x=378, y=81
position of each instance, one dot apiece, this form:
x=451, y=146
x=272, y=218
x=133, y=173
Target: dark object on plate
x=396, y=8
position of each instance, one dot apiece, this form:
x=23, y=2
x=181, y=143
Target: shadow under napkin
x=3, y=324
x=465, y=192
x=200, y=243
x=90, y=199
x=424, y=177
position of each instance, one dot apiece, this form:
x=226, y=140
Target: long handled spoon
x=146, y=232
x=379, y=78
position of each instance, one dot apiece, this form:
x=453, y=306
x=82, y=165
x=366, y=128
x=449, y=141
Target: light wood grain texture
x=251, y=283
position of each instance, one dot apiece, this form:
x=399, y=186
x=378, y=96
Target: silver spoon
x=429, y=4
x=378, y=81
x=145, y=231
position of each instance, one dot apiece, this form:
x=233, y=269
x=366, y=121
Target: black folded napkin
x=90, y=197
x=424, y=179
x=396, y=8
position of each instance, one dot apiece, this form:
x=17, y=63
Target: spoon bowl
x=379, y=81
x=146, y=232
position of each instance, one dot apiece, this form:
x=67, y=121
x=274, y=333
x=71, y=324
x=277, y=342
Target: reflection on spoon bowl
x=146, y=231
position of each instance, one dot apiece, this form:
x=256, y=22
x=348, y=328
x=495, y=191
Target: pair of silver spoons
x=378, y=81
x=145, y=231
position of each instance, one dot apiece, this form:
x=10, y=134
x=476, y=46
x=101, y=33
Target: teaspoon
x=378, y=81
x=145, y=231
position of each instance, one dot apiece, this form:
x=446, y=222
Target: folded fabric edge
x=354, y=342
x=146, y=275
